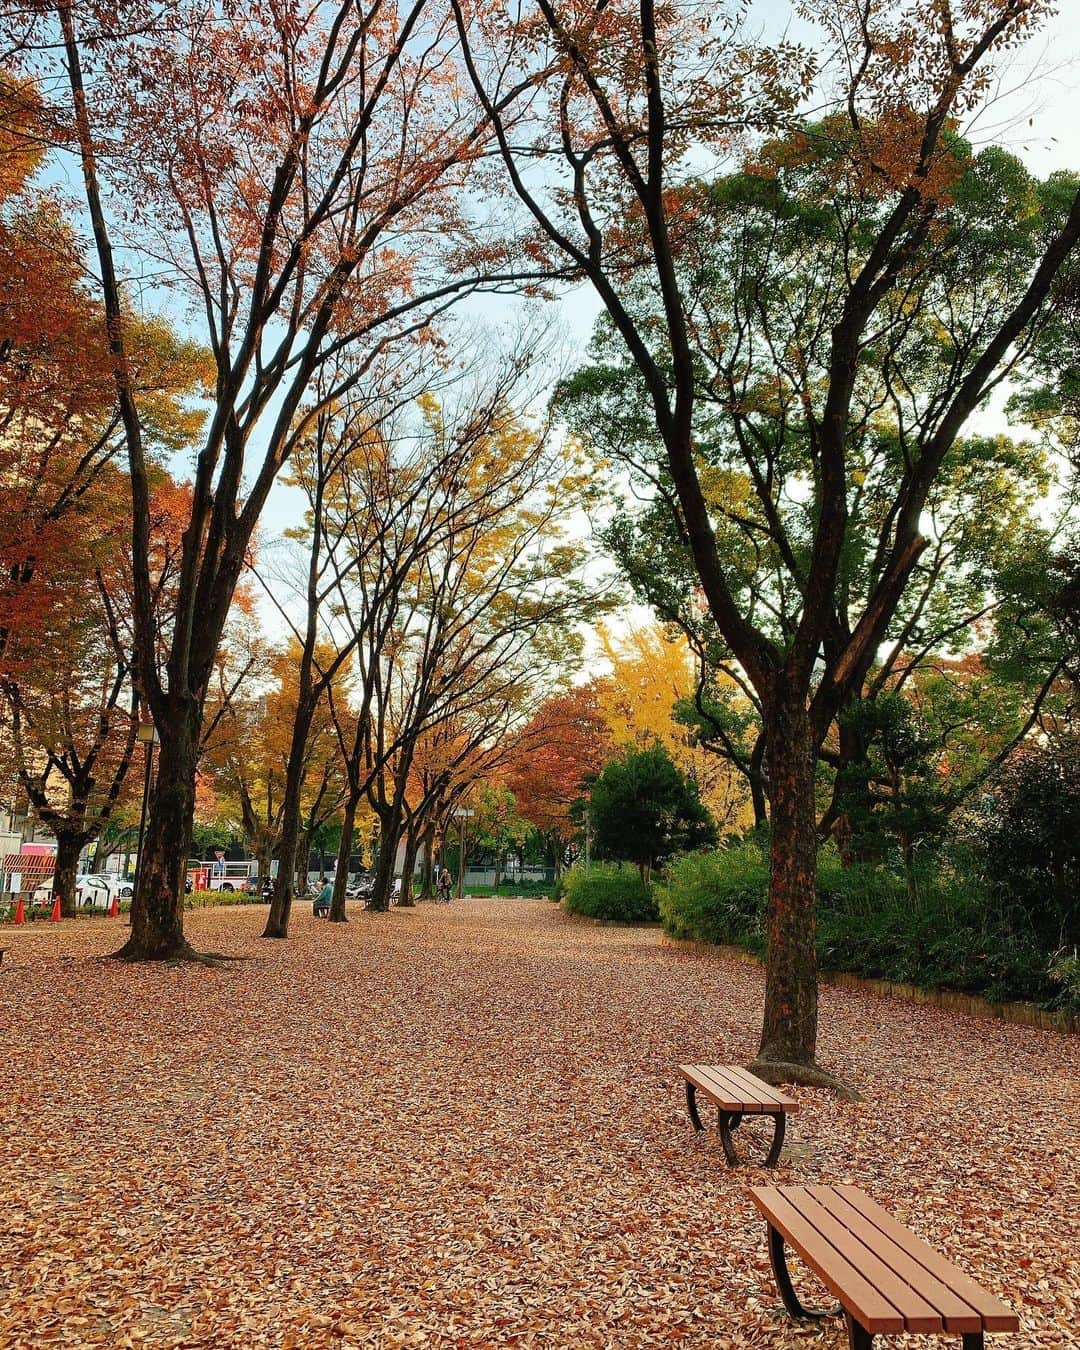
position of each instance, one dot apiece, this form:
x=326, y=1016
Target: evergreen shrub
x=940, y=928
x=717, y=897
x=610, y=891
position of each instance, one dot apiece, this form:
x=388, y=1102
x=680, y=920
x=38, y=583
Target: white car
x=93, y=890
x=97, y=890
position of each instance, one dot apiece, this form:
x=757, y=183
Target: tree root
x=181, y=954
x=777, y=1073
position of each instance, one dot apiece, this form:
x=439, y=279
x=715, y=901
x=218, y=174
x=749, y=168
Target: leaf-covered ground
x=463, y=1126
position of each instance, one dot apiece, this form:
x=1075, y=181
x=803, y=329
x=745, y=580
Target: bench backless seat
x=736, y=1093
x=887, y=1279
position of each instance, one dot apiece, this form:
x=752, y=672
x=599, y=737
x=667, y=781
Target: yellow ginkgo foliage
x=651, y=671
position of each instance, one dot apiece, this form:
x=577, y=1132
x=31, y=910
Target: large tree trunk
x=303, y=860
x=427, y=865
x=266, y=857
x=157, y=911
x=344, y=854
x=277, y=921
x=789, y=1031
x=69, y=845
x=389, y=834
x=412, y=847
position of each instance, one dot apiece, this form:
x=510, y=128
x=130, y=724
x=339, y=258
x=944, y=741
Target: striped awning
x=30, y=864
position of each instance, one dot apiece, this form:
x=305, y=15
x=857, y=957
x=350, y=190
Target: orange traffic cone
x=20, y=911
x=54, y=917
x=114, y=908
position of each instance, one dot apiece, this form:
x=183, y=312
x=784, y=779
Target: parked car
x=96, y=890
x=93, y=890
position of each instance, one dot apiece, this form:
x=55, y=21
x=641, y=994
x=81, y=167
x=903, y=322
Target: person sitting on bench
x=322, y=901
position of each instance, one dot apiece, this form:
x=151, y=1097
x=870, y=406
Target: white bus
x=215, y=875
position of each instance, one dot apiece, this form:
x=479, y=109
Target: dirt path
x=463, y=1126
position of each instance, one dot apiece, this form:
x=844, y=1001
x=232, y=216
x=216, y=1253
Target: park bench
x=736, y=1093
x=887, y=1279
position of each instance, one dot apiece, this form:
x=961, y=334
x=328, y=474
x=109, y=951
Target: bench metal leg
x=731, y=1120
x=858, y=1336
x=788, y=1296
x=973, y=1340
x=728, y=1121
x=691, y=1106
x=780, y=1125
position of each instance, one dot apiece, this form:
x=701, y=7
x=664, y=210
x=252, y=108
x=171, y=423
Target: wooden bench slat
x=707, y=1078
x=713, y=1080
x=995, y=1315
x=735, y=1090
x=767, y=1091
x=870, y=1307
x=918, y=1314
x=957, y=1314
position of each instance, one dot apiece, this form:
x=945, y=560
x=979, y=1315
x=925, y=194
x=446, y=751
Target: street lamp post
x=147, y=734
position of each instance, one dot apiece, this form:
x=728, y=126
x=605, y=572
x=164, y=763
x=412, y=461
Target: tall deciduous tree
x=847, y=244
x=270, y=164
x=566, y=743
x=69, y=701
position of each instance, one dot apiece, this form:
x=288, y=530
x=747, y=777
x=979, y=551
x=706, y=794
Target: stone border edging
x=1019, y=1014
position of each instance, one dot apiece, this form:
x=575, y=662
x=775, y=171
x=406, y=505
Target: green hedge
x=948, y=934
x=608, y=891
x=196, y=900
x=33, y=913
x=512, y=888
x=206, y=899
x=717, y=897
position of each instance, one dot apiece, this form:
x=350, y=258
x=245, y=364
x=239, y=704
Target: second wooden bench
x=887, y=1279
x=736, y=1093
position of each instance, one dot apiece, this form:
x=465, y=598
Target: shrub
x=609, y=891
x=1028, y=827
x=31, y=911
x=939, y=928
x=1065, y=972
x=717, y=897
x=204, y=899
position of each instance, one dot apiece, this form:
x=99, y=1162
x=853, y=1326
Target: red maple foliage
x=564, y=743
